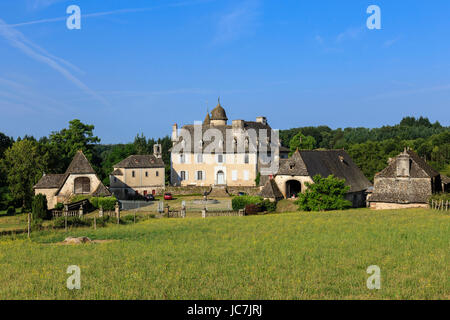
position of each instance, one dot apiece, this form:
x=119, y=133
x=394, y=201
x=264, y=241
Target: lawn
x=277, y=256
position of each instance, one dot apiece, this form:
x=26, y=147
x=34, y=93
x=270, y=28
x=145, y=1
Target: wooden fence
x=439, y=205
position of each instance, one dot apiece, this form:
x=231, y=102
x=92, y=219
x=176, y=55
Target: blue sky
x=140, y=66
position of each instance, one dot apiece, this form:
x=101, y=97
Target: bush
x=269, y=206
x=59, y=206
x=240, y=202
x=36, y=224
x=72, y=222
x=324, y=194
x=11, y=211
x=39, y=207
x=252, y=208
x=108, y=203
x=438, y=197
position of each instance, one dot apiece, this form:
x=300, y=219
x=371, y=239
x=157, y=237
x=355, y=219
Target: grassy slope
x=281, y=256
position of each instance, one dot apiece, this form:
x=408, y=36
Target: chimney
x=157, y=150
x=174, y=133
x=238, y=124
x=262, y=120
x=403, y=164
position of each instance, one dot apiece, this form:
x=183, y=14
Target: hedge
x=240, y=202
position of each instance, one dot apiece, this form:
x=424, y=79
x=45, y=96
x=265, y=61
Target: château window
x=157, y=173
x=183, y=175
x=182, y=158
x=246, y=160
x=133, y=174
x=146, y=173
x=199, y=175
x=199, y=158
x=220, y=158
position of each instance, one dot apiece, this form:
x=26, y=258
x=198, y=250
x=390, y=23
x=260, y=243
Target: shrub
x=108, y=203
x=324, y=194
x=36, y=224
x=59, y=206
x=240, y=202
x=252, y=208
x=72, y=222
x=39, y=207
x=438, y=197
x=11, y=211
x=269, y=206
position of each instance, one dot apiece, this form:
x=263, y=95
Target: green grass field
x=278, y=256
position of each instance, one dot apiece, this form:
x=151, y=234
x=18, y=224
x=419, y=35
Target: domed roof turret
x=218, y=113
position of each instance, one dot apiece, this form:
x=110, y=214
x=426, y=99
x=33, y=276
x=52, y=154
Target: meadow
x=277, y=256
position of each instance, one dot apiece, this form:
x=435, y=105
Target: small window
x=199, y=158
x=246, y=160
x=157, y=173
x=246, y=175
x=183, y=175
x=146, y=173
x=182, y=158
x=115, y=179
x=199, y=175
x=133, y=174
x=220, y=158
x=234, y=175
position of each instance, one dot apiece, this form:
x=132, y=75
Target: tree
x=39, y=207
x=300, y=141
x=78, y=136
x=324, y=194
x=24, y=165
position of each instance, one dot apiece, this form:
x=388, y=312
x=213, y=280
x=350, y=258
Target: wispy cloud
x=19, y=41
x=17, y=97
x=113, y=12
x=350, y=34
x=39, y=4
x=240, y=21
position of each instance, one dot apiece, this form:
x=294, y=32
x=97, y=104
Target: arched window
x=82, y=185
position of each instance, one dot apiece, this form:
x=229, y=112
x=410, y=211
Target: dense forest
x=23, y=161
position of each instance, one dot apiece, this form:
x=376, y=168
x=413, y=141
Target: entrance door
x=220, y=177
x=293, y=188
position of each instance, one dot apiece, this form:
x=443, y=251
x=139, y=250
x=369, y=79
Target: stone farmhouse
x=138, y=175
x=406, y=182
x=227, y=165
x=79, y=178
x=303, y=165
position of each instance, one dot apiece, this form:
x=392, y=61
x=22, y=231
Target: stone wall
x=387, y=205
x=251, y=191
x=185, y=190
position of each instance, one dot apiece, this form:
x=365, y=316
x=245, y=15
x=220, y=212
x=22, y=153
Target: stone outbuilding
x=138, y=175
x=407, y=182
x=79, y=178
x=302, y=166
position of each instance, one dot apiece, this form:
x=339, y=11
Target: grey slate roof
x=325, y=163
x=80, y=164
x=419, y=168
x=140, y=161
x=271, y=190
x=50, y=181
